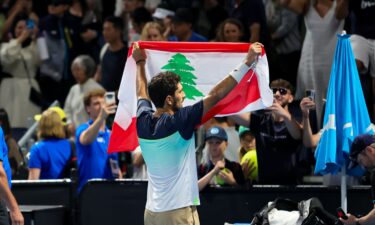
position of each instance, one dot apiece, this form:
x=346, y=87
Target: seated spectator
x=217, y=140
x=182, y=27
x=231, y=30
x=92, y=140
x=248, y=154
x=231, y=151
x=83, y=69
x=152, y=31
x=20, y=59
x=50, y=155
x=14, y=154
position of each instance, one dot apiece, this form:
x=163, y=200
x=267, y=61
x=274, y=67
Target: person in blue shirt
x=92, y=140
x=166, y=137
x=182, y=27
x=7, y=199
x=50, y=156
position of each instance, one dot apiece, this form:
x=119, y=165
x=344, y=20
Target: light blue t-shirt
x=4, y=157
x=93, y=159
x=51, y=157
x=168, y=148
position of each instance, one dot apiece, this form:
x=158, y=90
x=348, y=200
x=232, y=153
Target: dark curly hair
x=162, y=85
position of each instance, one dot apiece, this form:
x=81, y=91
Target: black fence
x=123, y=201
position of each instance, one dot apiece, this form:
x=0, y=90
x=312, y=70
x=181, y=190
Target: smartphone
x=110, y=97
x=30, y=24
x=310, y=93
x=341, y=213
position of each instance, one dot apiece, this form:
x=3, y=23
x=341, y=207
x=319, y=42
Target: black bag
x=316, y=213
x=71, y=166
x=37, y=98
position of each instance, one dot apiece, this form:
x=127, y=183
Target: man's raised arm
x=139, y=56
x=229, y=82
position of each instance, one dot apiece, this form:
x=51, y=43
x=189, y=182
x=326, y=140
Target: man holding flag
x=166, y=137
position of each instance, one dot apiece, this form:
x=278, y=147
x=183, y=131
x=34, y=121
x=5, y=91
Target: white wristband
x=239, y=72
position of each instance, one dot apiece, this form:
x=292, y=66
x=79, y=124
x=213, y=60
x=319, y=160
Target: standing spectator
x=89, y=27
x=14, y=154
x=113, y=55
x=83, y=69
x=210, y=14
x=182, y=27
x=231, y=30
x=363, y=40
x=277, y=136
x=20, y=59
x=61, y=30
x=152, y=31
x=166, y=137
x=128, y=7
x=20, y=7
x=139, y=18
x=252, y=15
x=92, y=140
x=283, y=25
x=323, y=20
x=51, y=154
x=217, y=140
x=7, y=199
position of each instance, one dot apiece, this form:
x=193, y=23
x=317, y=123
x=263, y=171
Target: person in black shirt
x=113, y=55
x=277, y=136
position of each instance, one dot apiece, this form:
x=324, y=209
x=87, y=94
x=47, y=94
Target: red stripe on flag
x=123, y=140
x=241, y=96
x=194, y=46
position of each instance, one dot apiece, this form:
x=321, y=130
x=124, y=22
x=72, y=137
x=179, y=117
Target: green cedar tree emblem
x=179, y=65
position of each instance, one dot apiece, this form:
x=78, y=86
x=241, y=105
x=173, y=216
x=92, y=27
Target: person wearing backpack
x=50, y=156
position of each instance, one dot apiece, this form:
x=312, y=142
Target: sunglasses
x=282, y=91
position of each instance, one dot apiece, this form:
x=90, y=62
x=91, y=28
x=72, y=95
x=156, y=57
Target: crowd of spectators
x=74, y=51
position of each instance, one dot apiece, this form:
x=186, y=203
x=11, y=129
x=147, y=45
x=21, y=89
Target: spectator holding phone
x=92, y=140
x=83, y=69
x=277, y=136
x=20, y=59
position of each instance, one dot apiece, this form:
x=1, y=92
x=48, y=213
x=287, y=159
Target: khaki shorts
x=183, y=216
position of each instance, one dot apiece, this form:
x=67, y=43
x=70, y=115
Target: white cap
x=161, y=13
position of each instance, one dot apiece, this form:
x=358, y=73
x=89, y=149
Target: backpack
x=70, y=169
x=311, y=212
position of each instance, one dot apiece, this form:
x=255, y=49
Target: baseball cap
x=216, y=132
x=57, y=109
x=358, y=145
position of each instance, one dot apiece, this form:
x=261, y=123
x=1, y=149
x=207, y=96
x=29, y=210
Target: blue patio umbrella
x=346, y=116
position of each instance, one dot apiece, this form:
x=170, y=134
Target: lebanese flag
x=200, y=66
